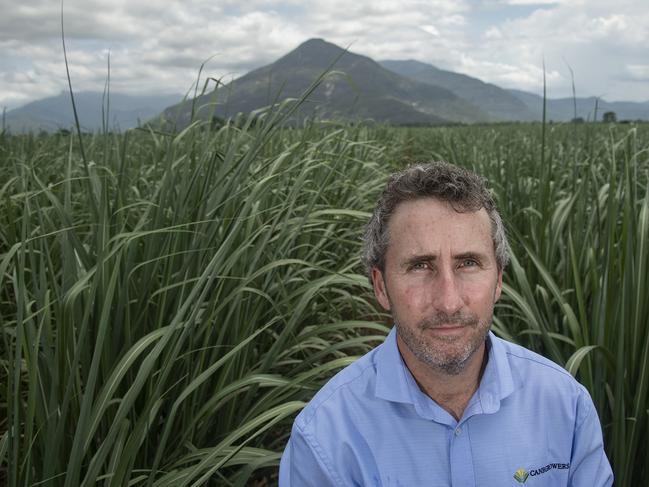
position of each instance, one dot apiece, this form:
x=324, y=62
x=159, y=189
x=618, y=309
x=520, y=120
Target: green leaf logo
x=521, y=475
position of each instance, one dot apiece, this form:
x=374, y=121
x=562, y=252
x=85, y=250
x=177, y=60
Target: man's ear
x=380, y=290
x=499, y=285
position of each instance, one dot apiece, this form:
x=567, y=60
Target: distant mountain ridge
x=357, y=88
x=54, y=113
x=491, y=99
x=392, y=91
x=589, y=108
x=516, y=105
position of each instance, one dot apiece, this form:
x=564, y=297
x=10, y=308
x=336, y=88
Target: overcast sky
x=157, y=46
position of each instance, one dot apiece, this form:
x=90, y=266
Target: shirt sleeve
x=589, y=466
x=302, y=465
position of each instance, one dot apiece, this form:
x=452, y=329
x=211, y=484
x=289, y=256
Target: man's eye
x=418, y=266
x=469, y=263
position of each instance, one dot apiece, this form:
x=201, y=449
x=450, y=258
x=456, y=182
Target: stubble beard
x=447, y=354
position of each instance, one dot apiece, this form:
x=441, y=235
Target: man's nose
x=447, y=292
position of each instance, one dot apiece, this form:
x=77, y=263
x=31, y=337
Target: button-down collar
x=394, y=382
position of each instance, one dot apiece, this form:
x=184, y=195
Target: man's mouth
x=448, y=323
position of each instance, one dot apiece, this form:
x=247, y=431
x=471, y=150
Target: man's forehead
x=424, y=226
x=431, y=209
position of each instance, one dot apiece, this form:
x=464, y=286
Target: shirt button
x=458, y=431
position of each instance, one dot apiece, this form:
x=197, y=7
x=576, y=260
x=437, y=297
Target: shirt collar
x=392, y=376
x=394, y=382
x=497, y=379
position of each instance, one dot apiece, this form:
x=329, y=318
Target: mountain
x=563, y=109
x=358, y=89
x=515, y=105
x=491, y=99
x=53, y=113
x=355, y=88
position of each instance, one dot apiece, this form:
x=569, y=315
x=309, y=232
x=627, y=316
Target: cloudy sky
x=157, y=46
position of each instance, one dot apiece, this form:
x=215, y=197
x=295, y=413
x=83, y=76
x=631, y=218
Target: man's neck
x=451, y=391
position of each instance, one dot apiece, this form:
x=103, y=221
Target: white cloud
x=596, y=39
x=159, y=44
x=453, y=20
x=542, y=2
x=527, y=76
x=493, y=33
x=430, y=29
x=638, y=72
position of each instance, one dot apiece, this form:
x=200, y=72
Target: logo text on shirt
x=522, y=475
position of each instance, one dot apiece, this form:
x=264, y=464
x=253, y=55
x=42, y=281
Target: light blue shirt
x=371, y=425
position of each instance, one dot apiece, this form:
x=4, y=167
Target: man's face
x=440, y=282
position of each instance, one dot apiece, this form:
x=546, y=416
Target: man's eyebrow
x=413, y=259
x=470, y=255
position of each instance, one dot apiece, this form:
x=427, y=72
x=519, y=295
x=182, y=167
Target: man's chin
x=448, y=364
x=448, y=353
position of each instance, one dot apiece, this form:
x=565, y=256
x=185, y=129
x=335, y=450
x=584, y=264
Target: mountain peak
x=318, y=44
x=313, y=52
x=316, y=41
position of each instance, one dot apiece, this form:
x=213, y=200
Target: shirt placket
x=461, y=457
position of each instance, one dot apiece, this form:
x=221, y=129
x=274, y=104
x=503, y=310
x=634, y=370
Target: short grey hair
x=464, y=190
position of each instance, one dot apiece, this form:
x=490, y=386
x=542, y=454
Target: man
x=443, y=401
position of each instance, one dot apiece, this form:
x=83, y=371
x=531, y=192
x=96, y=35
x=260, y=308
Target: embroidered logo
x=521, y=475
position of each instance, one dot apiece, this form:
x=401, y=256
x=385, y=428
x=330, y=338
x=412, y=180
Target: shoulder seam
x=557, y=368
x=325, y=399
x=584, y=395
